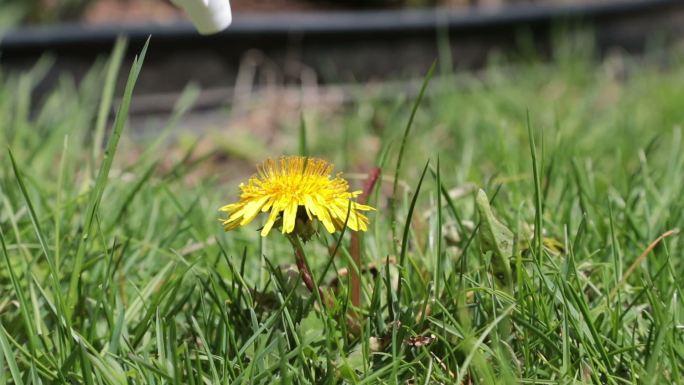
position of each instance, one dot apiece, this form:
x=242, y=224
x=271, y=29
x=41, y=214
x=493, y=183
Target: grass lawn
x=114, y=268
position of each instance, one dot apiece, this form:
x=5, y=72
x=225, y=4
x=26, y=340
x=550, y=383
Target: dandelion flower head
x=297, y=187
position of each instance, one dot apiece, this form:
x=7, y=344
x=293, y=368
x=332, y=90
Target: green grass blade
x=107, y=94
x=407, y=228
x=404, y=140
x=102, y=178
x=303, y=148
x=35, y=221
x=9, y=357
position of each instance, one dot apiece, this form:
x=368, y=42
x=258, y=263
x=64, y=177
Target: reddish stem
x=303, y=267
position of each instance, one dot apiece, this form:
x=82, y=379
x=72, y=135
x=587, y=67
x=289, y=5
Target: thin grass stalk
x=355, y=245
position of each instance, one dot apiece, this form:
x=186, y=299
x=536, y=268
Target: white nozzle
x=208, y=16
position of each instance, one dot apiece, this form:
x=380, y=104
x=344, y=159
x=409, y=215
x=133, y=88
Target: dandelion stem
x=303, y=267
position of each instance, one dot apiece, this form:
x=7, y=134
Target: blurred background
x=282, y=59
x=127, y=11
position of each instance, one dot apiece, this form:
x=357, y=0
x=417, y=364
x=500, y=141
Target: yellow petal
x=252, y=209
x=310, y=205
x=289, y=217
x=230, y=225
x=230, y=207
x=269, y=223
x=324, y=217
x=359, y=206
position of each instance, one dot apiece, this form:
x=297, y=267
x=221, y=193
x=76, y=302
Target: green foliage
x=114, y=269
x=496, y=239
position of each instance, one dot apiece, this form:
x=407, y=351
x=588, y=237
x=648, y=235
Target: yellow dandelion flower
x=297, y=187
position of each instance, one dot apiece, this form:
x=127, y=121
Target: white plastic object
x=208, y=16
